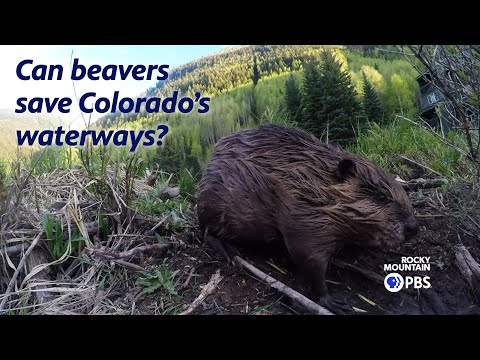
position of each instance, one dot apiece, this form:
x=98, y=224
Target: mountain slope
x=191, y=136
x=10, y=122
x=226, y=70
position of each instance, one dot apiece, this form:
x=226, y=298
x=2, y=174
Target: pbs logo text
x=395, y=282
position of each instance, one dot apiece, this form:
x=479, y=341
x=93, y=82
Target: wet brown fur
x=279, y=184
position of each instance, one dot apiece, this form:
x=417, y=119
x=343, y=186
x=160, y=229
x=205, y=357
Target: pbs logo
x=394, y=282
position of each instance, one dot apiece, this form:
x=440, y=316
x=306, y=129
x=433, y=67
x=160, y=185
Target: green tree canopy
x=312, y=96
x=293, y=97
x=339, y=108
x=372, y=107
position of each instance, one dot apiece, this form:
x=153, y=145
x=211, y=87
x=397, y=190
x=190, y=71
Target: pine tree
x=256, y=73
x=339, y=107
x=311, y=97
x=372, y=107
x=293, y=97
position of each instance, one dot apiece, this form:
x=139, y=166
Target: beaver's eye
x=382, y=198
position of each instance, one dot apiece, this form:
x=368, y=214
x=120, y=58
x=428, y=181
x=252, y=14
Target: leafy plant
x=160, y=279
x=58, y=244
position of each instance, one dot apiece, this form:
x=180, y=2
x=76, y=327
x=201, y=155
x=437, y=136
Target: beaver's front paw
x=336, y=306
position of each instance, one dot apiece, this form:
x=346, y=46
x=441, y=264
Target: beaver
x=281, y=185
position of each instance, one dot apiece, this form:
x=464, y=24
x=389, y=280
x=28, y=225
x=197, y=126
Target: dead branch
x=129, y=265
x=17, y=271
x=469, y=268
x=300, y=299
x=207, y=290
x=131, y=253
x=421, y=183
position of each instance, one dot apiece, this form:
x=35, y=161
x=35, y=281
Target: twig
x=151, y=231
x=207, y=290
x=132, y=252
x=423, y=184
x=189, y=277
x=292, y=294
x=17, y=271
x=129, y=265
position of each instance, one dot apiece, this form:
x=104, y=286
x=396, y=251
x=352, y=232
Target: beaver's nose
x=411, y=226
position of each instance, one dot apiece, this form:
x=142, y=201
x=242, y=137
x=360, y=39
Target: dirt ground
x=445, y=221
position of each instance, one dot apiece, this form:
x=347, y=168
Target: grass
x=381, y=145
x=187, y=183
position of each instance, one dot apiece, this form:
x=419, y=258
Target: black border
x=272, y=333
x=243, y=23
x=254, y=25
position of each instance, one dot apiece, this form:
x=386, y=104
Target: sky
x=12, y=88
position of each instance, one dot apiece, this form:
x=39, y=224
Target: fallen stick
x=300, y=299
x=17, y=271
x=469, y=268
x=422, y=184
x=207, y=290
x=132, y=252
x=129, y=265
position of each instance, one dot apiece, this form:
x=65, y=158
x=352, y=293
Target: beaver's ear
x=345, y=168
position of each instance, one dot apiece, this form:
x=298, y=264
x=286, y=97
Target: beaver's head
x=372, y=209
